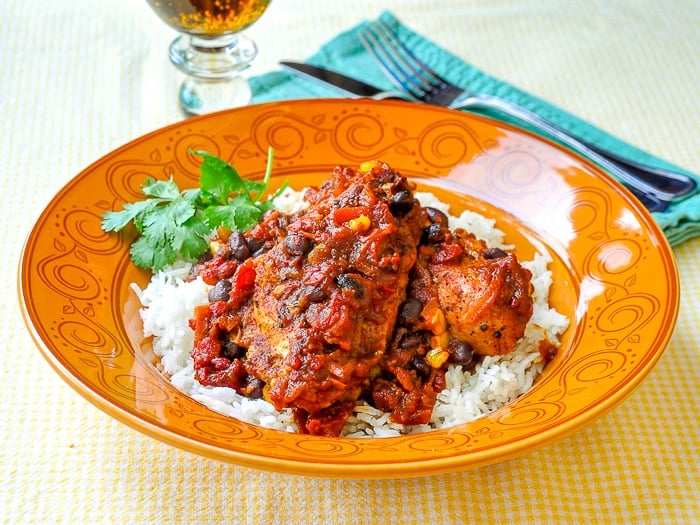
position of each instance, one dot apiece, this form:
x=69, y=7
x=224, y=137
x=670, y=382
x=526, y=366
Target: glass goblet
x=211, y=50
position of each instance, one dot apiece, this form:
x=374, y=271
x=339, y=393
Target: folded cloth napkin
x=345, y=53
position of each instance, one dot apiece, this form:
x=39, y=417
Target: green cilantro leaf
x=152, y=252
x=164, y=189
x=217, y=177
x=113, y=221
x=175, y=224
x=246, y=215
x=192, y=240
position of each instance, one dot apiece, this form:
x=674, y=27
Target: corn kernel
x=437, y=322
x=215, y=246
x=224, y=233
x=278, y=290
x=440, y=340
x=359, y=224
x=437, y=357
x=317, y=254
x=368, y=165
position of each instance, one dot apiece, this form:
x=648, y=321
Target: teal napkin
x=345, y=53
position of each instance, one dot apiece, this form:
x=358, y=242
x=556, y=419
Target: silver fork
x=654, y=187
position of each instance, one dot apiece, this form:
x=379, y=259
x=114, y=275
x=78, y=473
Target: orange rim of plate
x=614, y=276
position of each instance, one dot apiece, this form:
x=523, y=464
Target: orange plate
x=614, y=276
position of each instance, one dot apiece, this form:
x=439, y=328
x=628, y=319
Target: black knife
x=349, y=86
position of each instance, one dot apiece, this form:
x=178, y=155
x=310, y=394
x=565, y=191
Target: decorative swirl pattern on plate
x=187, y=164
x=125, y=178
x=446, y=143
x=627, y=314
x=362, y=137
x=67, y=275
x=147, y=391
x=226, y=429
x=83, y=228
x=517, y=172
x=617, y=257
x=66, y=267
x=531, y=414
x=328, y=447
x=591, y=213
x=595, y=367
x=622, y=291
x=84, y=335
x=287, y=134
x=431, y=442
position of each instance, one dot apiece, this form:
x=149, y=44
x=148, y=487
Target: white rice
x=169, y=301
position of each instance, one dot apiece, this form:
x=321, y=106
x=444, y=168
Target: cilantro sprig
x=177, y=224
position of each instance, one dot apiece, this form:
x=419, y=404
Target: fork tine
x=387, y=63
x=404, y=69
x=416, y=66
x=383, y=45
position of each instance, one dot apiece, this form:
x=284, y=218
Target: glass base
x=204, y=95
x=213, y=66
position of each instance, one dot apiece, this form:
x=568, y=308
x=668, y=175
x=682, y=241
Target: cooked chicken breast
x=485, y=294
x=326, y=298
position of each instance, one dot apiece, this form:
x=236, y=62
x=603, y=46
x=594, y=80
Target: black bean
x=461, y=352
x=315, y=294
x=232, y=350
x=346, y=282
x=401, y=203
x=239, y=246
x=297, y=244
x=410, y=312
x=433, y=234
x=494, y=253
x=409, y=341
x=220, y=291
x=436, y=216
x=266, y=247
x=255, y=387
x=421, y=365
x=255, y=244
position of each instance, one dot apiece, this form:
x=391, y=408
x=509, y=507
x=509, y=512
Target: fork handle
x=663, y=184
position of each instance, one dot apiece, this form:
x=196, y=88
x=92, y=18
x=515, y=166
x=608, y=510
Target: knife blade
x=347, y=85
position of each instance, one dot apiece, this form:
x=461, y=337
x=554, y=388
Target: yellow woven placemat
x=81, y=78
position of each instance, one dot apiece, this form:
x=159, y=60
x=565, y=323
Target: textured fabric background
x=81, y=78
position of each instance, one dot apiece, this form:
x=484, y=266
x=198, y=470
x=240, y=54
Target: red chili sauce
x=364, y=295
